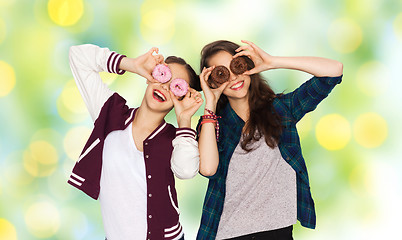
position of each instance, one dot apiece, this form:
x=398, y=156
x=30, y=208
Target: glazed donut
x=179, y=87
x=238, y=65
x=162, y=73
x=219, y=75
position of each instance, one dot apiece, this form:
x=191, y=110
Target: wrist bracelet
x=211, y=116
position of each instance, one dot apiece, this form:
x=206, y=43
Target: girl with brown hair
x=249, y=146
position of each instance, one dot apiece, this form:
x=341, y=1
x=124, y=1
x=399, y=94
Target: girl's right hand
x=211, y=95
x=145, y=64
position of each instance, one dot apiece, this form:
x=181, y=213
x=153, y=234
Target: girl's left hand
x=187, y=107
x=262, y=60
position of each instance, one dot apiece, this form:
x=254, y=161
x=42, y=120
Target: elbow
x=186, y=173
x=207, y=171
x=338, y=69
x=73, y=52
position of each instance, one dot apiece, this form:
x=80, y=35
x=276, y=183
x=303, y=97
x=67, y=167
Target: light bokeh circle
x=333, y=132
x=157, y=21
x=65, y=12
x=373, y=78
x=107, y=77
x=345, y=35
x=7, y=78
x=42, y=219
x=71, y=98
x=75, y=140
x=70, y=105
x=370, y=130
x=397, y=26
x=41, y=159
x=7, y=230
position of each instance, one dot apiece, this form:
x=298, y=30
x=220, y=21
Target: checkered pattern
x=292, y=107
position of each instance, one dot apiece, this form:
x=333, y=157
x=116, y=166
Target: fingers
x=251, y=44
x=204, y=77
x=223, y=86
x=242, y=48
x=150, y=78
x=159, y=58
x=174, y=99
x=193, y=95
x=251, y=71
x=153, y=49
x=197, y=97
x=243, y=53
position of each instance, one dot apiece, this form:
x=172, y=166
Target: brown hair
x=263, y=120
x=194, y=80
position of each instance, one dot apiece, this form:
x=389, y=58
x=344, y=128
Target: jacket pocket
x=172, y=201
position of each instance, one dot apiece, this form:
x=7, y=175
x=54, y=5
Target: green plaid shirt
x=292, y=107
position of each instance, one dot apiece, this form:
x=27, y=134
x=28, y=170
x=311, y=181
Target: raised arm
x=207, y=144
x=327, y=74
x=317, y=66
x=185, y=157
x=86, y=61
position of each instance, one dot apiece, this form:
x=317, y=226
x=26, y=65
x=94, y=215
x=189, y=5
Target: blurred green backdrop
x=350, y=142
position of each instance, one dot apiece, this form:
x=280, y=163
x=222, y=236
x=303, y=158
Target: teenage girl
x=258, y=183
x=132, y=154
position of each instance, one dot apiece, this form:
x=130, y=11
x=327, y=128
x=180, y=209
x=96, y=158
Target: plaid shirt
x=292, y=107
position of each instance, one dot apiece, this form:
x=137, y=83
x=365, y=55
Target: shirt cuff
x=185, y=132
x=331, y=80
x=113, y=63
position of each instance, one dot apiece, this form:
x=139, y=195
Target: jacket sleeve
x=185, y=156
x=86, y=61
x=306, y=98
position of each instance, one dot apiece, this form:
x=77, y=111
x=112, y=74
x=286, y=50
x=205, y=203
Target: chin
x=156, y=106
x=236, y=94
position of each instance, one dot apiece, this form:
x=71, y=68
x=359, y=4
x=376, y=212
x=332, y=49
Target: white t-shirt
x=123, y=189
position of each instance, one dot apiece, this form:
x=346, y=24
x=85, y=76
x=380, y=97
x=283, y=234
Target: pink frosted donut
x=162, y=73
x=179, y=87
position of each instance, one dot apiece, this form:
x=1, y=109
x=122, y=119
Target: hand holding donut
x=186, y=107
x=145, y=64
x=262, y=60
x=211, y=95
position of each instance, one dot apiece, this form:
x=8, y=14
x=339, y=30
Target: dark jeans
x=277, y=234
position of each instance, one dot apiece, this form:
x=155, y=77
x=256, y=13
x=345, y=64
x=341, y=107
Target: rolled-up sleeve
x=306, y=98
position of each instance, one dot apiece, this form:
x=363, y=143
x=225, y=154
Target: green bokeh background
x=351, y=142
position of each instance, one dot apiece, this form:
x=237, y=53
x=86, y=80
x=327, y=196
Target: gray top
x=260, y=192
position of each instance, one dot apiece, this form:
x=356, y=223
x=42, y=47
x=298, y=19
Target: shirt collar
x=230, y=117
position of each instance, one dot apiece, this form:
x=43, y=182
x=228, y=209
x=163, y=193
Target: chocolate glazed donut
x=238, y=65
x=219, y=75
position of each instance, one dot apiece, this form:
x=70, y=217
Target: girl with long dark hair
x=249, y=146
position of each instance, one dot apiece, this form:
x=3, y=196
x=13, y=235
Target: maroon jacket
x=162, y=210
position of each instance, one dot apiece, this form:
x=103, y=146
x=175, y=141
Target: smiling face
x=238, y=84
x=157, y=95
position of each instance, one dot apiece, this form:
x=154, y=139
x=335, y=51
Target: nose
x=166, y=85
x=232, y=76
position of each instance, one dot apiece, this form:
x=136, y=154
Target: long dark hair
x=194, y=80
x=263, y=120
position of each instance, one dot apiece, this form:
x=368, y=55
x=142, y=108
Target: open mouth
x=158, y=96
x=237, y=86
